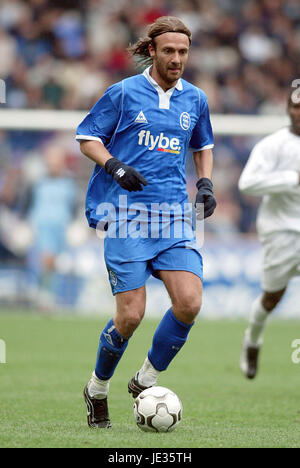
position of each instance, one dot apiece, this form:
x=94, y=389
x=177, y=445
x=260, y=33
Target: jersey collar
x=164, y=96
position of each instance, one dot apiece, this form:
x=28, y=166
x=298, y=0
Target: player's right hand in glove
x=126, y=176
x=205, y=197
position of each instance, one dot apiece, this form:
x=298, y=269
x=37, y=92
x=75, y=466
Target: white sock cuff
x=98, y=388
x=148, y=375
x=258, y=313
x=250, y=342
x=96, y=379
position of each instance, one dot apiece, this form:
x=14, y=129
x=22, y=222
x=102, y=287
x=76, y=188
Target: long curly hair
x=162, y=25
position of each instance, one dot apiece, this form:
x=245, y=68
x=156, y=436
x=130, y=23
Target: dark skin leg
x=271, y=299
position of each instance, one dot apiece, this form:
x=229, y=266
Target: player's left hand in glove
x=205, y=196
x=126, y=176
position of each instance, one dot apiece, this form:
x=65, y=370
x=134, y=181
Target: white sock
x=148, y=375
x=98, y=388
x=258, y=318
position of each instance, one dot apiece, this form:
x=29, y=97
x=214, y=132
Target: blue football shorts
x=126, y=276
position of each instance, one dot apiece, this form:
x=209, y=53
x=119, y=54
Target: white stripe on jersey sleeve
x=88, y=137
x=203, y=148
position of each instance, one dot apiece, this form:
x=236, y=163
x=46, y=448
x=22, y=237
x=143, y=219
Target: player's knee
x=128, y=319
x=130, y=312
x=133, y=319
x=188, y=307
x=270, y=303
x=270, y=300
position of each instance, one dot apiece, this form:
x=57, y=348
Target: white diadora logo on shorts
x=185, y=120
x=141, y=118
x=113, y=278
x=161, y=142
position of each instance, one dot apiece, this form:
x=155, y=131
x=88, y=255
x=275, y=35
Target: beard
x=164, y=72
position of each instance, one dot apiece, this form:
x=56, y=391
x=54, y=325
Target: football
x=157, y=409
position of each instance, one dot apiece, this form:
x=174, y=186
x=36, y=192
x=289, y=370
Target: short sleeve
x=101, y=123
x=202, y=136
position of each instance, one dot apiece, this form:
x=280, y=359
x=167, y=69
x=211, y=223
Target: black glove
x=205, y=195
x=126, y=176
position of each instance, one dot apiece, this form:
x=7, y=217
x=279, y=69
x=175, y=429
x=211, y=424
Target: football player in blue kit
x=138, y=134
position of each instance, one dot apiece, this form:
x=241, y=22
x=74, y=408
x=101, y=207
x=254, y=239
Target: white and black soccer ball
x=157, y=409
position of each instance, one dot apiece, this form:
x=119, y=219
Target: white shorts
x=281, y=260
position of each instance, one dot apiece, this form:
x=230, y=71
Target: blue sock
x=111, y=348
x=168, y=339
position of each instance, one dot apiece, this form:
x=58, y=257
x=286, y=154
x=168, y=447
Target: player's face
x=294, y=113
x=169, y=57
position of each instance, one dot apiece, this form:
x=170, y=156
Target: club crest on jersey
x=185, y=120
x=141, y=118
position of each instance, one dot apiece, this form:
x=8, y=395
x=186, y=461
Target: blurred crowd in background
x=64, y=54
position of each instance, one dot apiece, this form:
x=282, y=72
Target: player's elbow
x=88, y=147
x=246, y=185
x=84, y=146
x=243, y=184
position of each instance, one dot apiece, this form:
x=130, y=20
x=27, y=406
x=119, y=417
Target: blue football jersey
x=148, y=129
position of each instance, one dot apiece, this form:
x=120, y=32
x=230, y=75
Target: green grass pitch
x=49, y=360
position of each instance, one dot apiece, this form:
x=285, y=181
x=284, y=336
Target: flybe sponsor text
x=161, y=142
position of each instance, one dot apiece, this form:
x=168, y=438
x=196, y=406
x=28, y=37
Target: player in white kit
x=273, y=172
